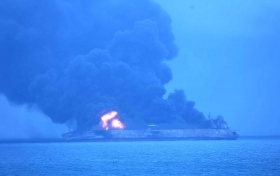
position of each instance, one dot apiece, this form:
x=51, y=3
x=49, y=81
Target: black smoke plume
x=77, y=60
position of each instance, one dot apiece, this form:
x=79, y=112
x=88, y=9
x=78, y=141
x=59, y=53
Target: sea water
x=240, y=157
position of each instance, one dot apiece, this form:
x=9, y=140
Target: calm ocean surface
x=258, y=156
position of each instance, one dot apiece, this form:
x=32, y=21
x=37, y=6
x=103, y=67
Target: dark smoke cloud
x=77, y=60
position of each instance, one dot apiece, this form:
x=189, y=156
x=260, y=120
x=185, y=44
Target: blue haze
x=229, y=60
x=227, y=63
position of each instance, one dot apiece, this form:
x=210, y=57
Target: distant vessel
x=218, y=130
x=151, y=134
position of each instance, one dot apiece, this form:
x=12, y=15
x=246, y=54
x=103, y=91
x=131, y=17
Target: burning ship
x=113, y=130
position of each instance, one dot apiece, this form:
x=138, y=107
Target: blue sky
x=229, y=60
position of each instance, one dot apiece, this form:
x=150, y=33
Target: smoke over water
x=78, y=60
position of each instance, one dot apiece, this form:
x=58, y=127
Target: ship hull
x=151, y=135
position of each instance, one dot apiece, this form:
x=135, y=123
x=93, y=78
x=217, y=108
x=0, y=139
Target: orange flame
x=107, y=117
x=116, y=123
x=111, y=117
